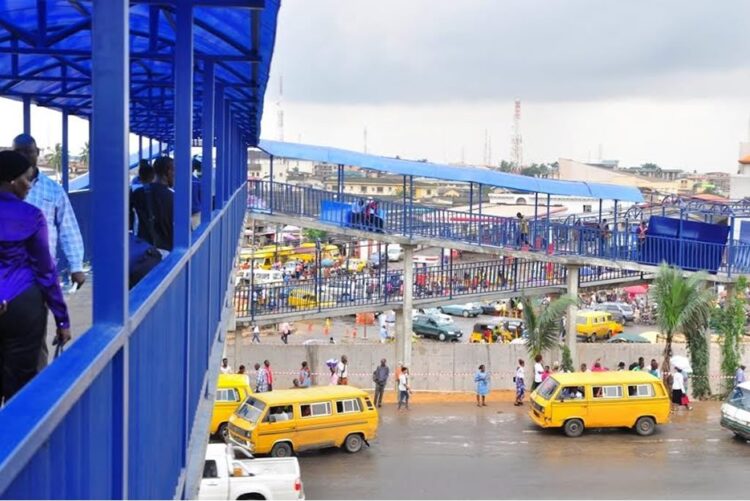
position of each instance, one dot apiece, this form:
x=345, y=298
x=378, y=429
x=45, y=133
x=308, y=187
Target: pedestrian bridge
x=561, y=241
x=319, y=297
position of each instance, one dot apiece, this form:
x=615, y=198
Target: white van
x=395, y=252
x=735, y=411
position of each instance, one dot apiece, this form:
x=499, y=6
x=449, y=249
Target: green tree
x=506, y=166
x=83, y=155
x=543, y=327
x=684, y=305
x=54, y=159
x=567, y=360
x=729, y=323
x=312, y=235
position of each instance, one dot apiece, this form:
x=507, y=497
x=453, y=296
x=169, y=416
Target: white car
x=735, y=411
x=225, y=477
x=395, y=252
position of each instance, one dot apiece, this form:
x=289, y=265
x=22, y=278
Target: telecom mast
x=516, y=140
x=279, y=110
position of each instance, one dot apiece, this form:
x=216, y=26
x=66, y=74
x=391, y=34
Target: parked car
x=492, y=307
x=436, y=314
x=464, y=310
x=621, y=312
x=735, y=411
x=429, y=327
x=395, y=252
x=225, y=477
x=593, y=325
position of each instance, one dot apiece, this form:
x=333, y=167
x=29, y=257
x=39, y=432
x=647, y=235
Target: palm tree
x=54, y=159
x=83, y=156
x=683, y=305
x=543, y=327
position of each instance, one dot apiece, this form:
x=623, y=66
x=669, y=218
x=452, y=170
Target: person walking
x=62, y=227
x=538, y=372
x=29, y=282
x=256, y=334
x=523, y=231
x=404, y=390
x=519, y=380
x=305, y=377
x=225, y=367
x=482, y=380
x=269, y=374
x=739, y=376
x=261, y=379
x=285, y=331
x=342, y=371
x=679, y=397
x=380, y=378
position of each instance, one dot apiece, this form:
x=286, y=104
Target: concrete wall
x=443, y=366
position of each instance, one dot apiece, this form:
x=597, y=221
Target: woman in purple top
x=28, y=279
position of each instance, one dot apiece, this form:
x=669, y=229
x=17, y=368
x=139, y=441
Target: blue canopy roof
x=45, y=54
x=478, y=175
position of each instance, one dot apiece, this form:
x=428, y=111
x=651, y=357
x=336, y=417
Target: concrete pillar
x=571, y=336
x=404, y=319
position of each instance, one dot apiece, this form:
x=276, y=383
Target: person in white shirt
x=342, y=370
x=678, y=389
x=519, y=380
x=538, y=371
x=403, y=388
x=225, y=367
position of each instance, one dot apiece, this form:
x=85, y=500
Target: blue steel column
x=220, y=148
x=547, y=226
x=109, y=180
x=183, y=123
x=536, y=215
x=65, y=156
x=479, y=231
x=411, y=207
x=270, y=183
x=208, y=141
x=27, y=115
x=140, y=148
x=616, y=246
x=150, y=148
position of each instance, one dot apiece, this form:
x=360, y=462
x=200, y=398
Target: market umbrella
x=636, y=290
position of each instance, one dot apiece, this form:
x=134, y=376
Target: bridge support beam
x=571, y=336
x=404, y=317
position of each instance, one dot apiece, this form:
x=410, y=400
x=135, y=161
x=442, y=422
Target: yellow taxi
x=283, y=422
x=231, y=390
x=303, y=298
x=611, y=399
x=596, y=324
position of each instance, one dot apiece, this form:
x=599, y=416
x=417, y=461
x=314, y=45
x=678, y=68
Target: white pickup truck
x=225, y=477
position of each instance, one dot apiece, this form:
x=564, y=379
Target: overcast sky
x=640, y=80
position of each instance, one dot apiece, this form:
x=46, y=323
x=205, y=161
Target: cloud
x=426, y=51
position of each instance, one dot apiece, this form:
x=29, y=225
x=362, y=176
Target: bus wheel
x=645, y=426
x=353, y=443
x=573, y=428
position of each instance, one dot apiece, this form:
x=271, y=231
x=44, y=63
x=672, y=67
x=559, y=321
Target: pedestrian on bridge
x=523, y=231
x=29, y=282
x=482, y=380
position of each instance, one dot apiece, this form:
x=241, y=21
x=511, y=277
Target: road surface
x=459, y=451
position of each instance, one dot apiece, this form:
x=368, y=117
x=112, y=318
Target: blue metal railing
x=554, y=236
x=113, y=416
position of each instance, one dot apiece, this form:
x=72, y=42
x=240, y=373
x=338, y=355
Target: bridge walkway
x=556, y=241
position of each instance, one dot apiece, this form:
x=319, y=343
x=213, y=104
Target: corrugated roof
x=45, y=53
x=478, y=175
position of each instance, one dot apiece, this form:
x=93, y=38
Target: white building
x=563, y=205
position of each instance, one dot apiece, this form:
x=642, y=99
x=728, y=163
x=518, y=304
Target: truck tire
x=252, y=496
x=353, y=443
x=645, y=426
x=282, y=450
x=573, y=427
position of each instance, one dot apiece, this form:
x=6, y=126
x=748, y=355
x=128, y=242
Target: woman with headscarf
x=29, y=282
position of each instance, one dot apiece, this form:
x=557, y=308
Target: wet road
x=458, y=451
